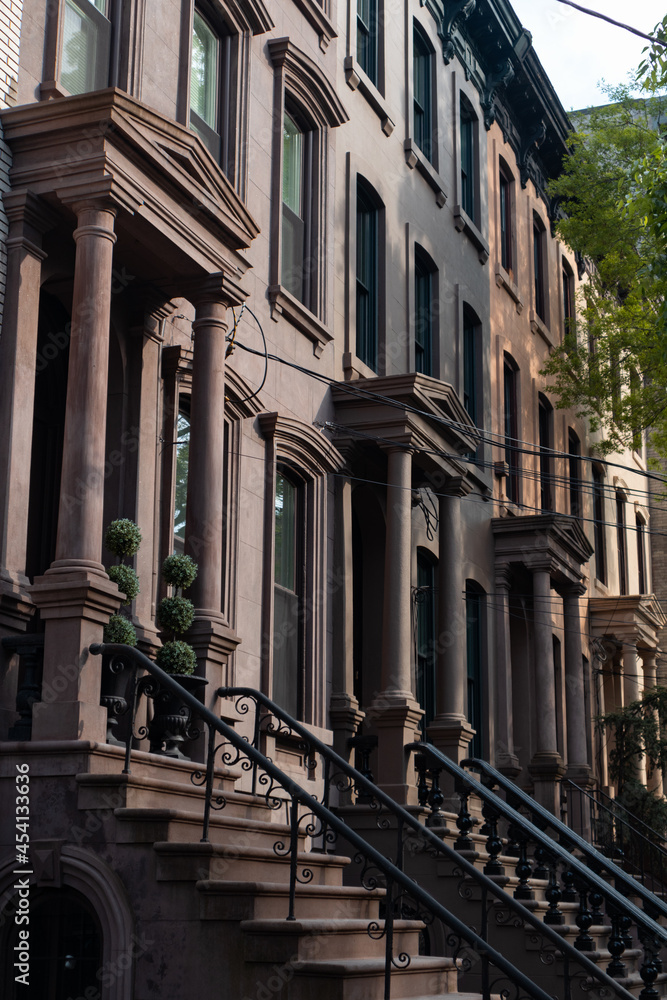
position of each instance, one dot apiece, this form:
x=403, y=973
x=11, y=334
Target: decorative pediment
x=301, y=444
x=249, y=15
x=550, y=542
x=308, y=83
x=634, y=618
x=149, y=165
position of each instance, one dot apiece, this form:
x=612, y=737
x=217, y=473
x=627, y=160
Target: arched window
x=539, y=267
x=426, y=279
x=182, y=462
x=288, y=595
x=475, y=626
x=368, y=274
x=511, y=419
x=506, y=183
x=621, y=543
x=574, y=473
x=599, y=524
x=642, y=578
x=469, y=159
x=546, y=434
x=423, y=101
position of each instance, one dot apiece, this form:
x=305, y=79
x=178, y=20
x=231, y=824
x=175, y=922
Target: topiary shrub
x=176, y=657
x=126, y=579
x=179, y=571
x=119, y=629
x=122, y=537
x=175, y=614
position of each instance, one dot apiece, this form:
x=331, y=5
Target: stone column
x=28, y=219
x=212, y=638
x=546, y=766
x=506, y=759
x=395, y=712
x=577, y=721
x=450, y=730
x=631, y=686
x=75, y=596
x=344, y=711
x=649, y=663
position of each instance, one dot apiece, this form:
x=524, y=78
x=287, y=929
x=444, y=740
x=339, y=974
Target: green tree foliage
x=612, y=368
x=638, y=731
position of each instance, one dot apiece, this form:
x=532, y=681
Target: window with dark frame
x=538, y=268
x=510, y=376
x=422, y=92
x=424, y=288
x=641, y=554
x=471, y=368
x=367, y=276
x=474, y=655
x=505, y=220
x=567, y=278
x=288, y=596
x=621, y=544
x=545, y=427
x=599, y=525
x=297, y=199
x=86, y=46
x=368, y=54
x=574, y=473
x=426, y=636
x=468, y=125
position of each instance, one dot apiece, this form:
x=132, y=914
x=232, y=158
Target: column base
x=452, y=736
x=346, y=718
x=75, y=604
x=508, y=765
x=547, y=769
x=396, y=717
x=213, y=642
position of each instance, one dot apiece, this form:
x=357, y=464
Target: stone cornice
x=549, y=542
x=249, y=15
x=632, y=619
x=308, y=83
x=413, y=409
x=150, y=166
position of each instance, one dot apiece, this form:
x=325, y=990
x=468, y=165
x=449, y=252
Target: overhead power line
x=617, y=24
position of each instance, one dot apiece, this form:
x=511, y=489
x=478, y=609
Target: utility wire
x=617, y=24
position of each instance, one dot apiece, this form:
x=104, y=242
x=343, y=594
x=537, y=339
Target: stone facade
x=10, y=35
x=332, y=275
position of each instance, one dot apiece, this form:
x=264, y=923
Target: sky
x=578, y=50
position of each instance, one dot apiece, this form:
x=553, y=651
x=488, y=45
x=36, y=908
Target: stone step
x=149, y=826
x=194, y=862
x=230, y=900
x=363, y=979
x=270, y=940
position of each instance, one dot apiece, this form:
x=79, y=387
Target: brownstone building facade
x=280, y=281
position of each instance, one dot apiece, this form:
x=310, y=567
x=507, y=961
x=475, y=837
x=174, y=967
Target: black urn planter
x=170, y=726
x=116, y=674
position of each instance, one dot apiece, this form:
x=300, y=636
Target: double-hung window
x=468, y=136
x=574, y=470
x=209, y=86
x=296, y=270
x=539, y=275
x=599, y=525
x=86, y=46
x=567, y=279
x=510, y=377
x=621, y=544
x=287, y=598
x=545, y=422
x=367, y=276
x=422, y=92
x=368, y=48
x=425, y=280
x=505, y=185
x=642, y=580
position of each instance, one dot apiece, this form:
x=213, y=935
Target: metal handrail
x=434, y=841
x=633, y=823
x=654, y=851
x=565, y=835
x=334, y=822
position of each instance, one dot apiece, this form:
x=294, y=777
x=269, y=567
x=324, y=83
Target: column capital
x=456, y=487
x=574, y=590
x=212, y=288
x=27, y=211
x=503, y=577
x=397, y=448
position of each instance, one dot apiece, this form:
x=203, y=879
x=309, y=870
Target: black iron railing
x=314, y=818
x=575, y=872
x=619, y=835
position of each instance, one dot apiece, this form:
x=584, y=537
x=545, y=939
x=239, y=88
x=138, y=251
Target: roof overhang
x=549, y=542
x=635, y=619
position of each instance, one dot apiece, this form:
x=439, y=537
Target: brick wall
x=11, y=12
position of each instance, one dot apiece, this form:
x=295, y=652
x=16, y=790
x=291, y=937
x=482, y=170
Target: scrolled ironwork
x=401, y=961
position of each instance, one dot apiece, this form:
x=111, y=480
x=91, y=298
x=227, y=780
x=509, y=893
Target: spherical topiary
x=176, y=658
x=122, y=537
x=127, y=580
x=119, y=629
x=175, y=614
x=179, y=570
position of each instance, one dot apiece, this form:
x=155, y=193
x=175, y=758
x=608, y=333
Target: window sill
x=538, y=325
x=356, y=79
x=415, y=158
x=313, y=13
x=354, y=368
x=464, y=224
x=283, y=303
x=504, y=280
x=50, y=89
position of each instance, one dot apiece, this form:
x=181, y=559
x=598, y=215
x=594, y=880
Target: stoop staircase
x=275, y=894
